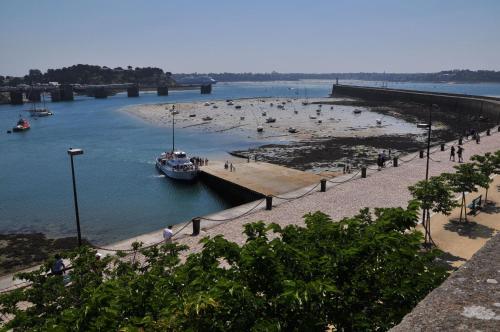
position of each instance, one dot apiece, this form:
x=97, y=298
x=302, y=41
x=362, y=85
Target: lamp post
x=426, y=214
x=75, y=152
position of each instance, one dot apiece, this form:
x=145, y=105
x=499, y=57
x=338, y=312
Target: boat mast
x=173, y=128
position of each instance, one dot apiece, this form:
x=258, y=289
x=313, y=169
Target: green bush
x=361, y=273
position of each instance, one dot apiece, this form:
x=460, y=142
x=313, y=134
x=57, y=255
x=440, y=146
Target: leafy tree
x=488, y=165
x=435, y=195
x=361, y=273
x=466, y=179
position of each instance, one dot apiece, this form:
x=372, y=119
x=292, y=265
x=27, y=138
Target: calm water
x=120, y=192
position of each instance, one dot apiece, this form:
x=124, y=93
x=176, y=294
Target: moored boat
x=22, y=125
x=176, y=165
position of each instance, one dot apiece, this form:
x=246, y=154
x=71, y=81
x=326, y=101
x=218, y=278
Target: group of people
x=228, y=165
x=474, y=135
x=198, y=161
x=382, y=158
x=460, y=151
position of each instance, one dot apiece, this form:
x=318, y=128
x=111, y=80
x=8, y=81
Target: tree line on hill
x=90, y=74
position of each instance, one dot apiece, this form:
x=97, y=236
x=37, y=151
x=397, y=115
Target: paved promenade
x=386, y=188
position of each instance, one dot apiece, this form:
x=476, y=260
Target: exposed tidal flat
x=120, y=192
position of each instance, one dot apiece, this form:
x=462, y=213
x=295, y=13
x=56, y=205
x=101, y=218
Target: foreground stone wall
x=478, y=105
x=469, y=300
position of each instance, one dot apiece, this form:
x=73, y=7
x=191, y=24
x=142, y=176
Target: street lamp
x=426, y=215
x=75, y=152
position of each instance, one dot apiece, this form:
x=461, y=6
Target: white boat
x=292, y=130
x=260, y=129
x=379, y=121
x=176, y=165
x=40, y=112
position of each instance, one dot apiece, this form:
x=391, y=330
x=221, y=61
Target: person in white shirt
x=168, y=234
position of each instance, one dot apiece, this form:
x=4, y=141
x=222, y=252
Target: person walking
x=168, y=234
x=452, y=153
x=460, y=151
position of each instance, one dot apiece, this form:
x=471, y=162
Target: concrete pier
x=260, y=178
x=162, y=90
x=55, y=95
x=206, y=89
x=133, y=91
x=66, y=92
x=34, y=95
x=100, y=93
x=16, y=97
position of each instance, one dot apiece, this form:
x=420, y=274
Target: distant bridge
x=66, y=92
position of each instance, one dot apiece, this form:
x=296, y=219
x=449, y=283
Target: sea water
x=120, y=193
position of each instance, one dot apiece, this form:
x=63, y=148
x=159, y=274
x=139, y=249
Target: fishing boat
x=260, y=129
x=270, y=120
x=292, y=130
x=264, y=113
x=207, y=118
x=378, y=121
x=357, y=111
x=22, y=125
x=176, y=164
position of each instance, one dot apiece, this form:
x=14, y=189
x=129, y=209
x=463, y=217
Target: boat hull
x=177, y=175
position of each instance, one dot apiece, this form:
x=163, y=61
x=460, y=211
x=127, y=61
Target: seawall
x=479, y=106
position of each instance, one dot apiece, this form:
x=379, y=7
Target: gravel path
x=386, y=188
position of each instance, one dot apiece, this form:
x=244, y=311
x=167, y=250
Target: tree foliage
x=361, y=273
x=487, y=165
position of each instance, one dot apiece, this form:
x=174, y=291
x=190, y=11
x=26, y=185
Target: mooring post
x=323, y=185
x=421, y=154
x=499, y=129
x=460, y=141
x=442, y=146
x=363, y=172
x=269, y=202
x=395, y=161
x=196, y=226
x=488, y=133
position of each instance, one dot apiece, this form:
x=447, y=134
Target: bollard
x=196, y=226
x=421, y=154
x=499, y=129
x=323, y=185
x=488, y=133
x=460, y=141
x=442, y=146
x=395, y=162
x=269, y=202
x=363, y=172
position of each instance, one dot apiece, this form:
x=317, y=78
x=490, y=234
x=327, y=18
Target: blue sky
x=251, y=36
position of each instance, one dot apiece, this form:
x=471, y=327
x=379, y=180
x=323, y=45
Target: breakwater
x=482, y=107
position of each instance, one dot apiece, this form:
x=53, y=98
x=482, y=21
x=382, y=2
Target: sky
x=251, y=36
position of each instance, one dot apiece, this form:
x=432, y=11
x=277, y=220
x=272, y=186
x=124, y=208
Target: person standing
x=58, y=267
x=452, y=153
x=168, y=234
x=460, y=151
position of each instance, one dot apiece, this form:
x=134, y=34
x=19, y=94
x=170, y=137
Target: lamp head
x=75, y=152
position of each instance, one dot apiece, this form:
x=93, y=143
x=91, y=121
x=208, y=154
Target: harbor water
x=120, y=192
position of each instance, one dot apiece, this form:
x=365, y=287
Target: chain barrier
x=300, y=196
x=349, y=179
x=407, y=161
x=232, y=218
